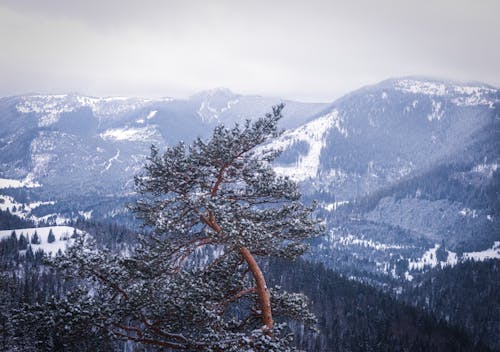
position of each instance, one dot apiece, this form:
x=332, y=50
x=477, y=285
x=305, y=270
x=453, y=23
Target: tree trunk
x=262, y=291
x=260, y=281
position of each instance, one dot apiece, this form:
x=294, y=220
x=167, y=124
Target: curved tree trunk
x=262, y=291
x=260, y=281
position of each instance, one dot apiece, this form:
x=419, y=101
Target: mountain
x=67, y=146
x=404, y=169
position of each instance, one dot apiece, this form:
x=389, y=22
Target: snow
x=486, y=169
x=408, y=276
x=151, y=114
x=110, y=161
x=11, y=183
x=429, y=258
x=85, y=214
x=206, y=112
x=230, y=105
x=467, y=212
x=133, y=134
x=436, y=113
x=462, y=95
x=351, y=240
x=490, y=253
x=23, y=210
x=420, y=87
x=333, y=206
x=49, y=108
x=472, y=96
x=312, y=133
x=62, y=237
x=209, y=113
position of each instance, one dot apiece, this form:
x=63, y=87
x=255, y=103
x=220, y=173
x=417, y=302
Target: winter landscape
x=274, y=219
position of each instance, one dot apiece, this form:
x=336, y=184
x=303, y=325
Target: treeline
x=9, y=221
x=351, y=316
x=448, y=181
x=467, y=295
x=356, y=317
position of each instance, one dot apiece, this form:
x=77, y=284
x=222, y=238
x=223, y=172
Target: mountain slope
x=78, y=145
x=402, y=168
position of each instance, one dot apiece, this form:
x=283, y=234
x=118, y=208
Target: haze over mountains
x=403, y=169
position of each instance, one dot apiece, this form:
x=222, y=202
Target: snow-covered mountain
x=380, y=134
x=76, y=144
x=402, y=167
x=406, y=170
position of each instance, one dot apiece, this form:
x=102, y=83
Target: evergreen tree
x=35, y=239
x=23, y=242
x=51, y=238
x=219, y=196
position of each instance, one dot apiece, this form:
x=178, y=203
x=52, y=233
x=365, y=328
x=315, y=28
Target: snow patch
x=85, y=214
x=62, y=236
x=110, y=161
x=48, y=108
x=436, y=113
x=472, y=96
x=151, y=114
x=490, y=253
x=430, y=259
x=11, y=183
x=467, y=212
x=420, y=87
x=21, y=210
x=133, y=134
x=486, y=169
x=333, y=206
x=312, y=133
x=351, y=240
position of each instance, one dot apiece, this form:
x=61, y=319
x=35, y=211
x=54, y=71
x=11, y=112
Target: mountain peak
x=217, y=93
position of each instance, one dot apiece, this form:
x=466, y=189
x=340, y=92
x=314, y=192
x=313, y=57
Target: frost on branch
x=220, y=196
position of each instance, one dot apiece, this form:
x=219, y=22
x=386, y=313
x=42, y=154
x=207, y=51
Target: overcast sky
x=304, y=50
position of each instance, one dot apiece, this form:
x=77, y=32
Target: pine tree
x=35, y=239
x=51, y=238
x=23, y=242
x=216, y=199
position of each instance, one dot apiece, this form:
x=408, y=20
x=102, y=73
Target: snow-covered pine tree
x=51, y=238
x=35, y=239
x=219, y=196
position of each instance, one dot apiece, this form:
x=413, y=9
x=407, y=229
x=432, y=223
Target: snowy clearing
x=62, y=237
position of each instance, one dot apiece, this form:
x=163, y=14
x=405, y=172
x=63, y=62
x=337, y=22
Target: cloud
x=310, y=50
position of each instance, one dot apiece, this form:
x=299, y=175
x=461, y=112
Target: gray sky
x=305, y=50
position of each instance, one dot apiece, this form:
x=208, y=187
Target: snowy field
x=62, y=236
